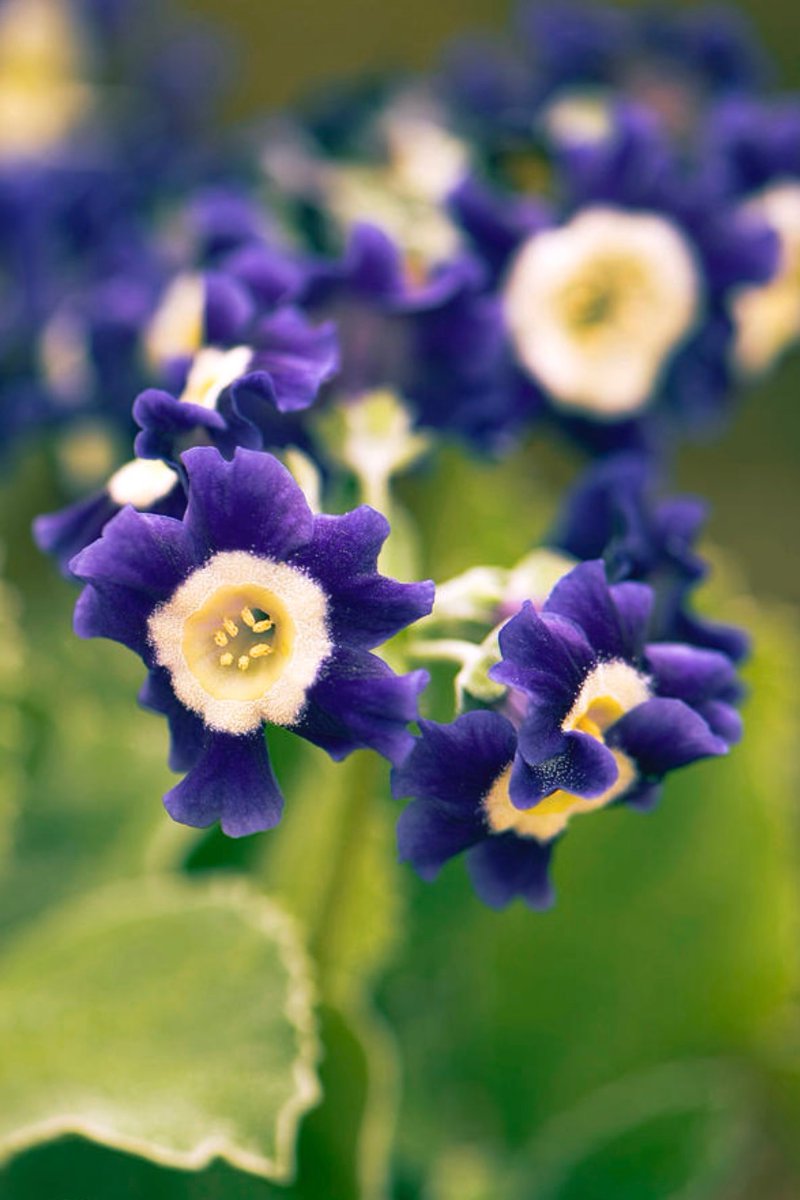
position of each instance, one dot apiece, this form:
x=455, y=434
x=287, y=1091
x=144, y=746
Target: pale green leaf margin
x=269, y=919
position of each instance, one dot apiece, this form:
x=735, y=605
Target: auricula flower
x=757, y=144
x=615, y=512
x=767, y=317
x=592, y=715
x=251, y=611
x=596, y=307
x=617, y=313
x=236, y=368
x=146, y=484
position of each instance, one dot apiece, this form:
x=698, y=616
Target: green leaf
x=680, y=1132
x=328, y=1149
x=81, y=819
x=169, y=1020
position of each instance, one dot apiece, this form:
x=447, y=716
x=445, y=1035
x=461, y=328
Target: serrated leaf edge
x=267, y=917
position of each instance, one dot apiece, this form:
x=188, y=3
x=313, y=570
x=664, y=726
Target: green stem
x=362, y=782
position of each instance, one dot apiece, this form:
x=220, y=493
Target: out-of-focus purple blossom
x=614, y=513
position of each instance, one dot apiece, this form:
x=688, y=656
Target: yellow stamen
x=243, y=663
x=231, y=629
x=247, y=617
x=263, y=626
x=225, y=660
x=221, y=638
x=260, y=650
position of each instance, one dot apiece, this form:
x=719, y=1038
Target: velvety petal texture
x=231, y=782
x=150, y=580
x=594, y=714
x=450, y=771
x=285, y=360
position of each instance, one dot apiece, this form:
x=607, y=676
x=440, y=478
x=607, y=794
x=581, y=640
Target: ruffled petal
x=64, y=534
x=116, y=613
x=163, y=419
x=297, y=356
x=228, y=309
x=232, y=782
x=634, y=605
x=690, y=674
x=358, y=702
x=585, y=598
x=663, y=734
x=540, y=733
x=428, y=835
x=250, y=503
x=585, y=767
x=545, y=656
x=187, y=731
x=722, y=719
x=143, y=552
x=504, y=867
x=455, y=765
x=365, y=608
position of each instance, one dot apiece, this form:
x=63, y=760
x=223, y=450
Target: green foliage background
x=640, y=1042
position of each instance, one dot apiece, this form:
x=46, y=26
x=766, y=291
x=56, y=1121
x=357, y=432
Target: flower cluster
x=595, y=232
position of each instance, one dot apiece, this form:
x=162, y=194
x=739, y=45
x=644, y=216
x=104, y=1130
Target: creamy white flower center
x=767, y=317
x=176, y=328
x=141, y=482
x=42, y=59
x=212, y=371
x=427, y=159
x=64, y=358
x=243, y=639
x=580, y=116
x=595, y=308
x=608, y=692
x=420, y=226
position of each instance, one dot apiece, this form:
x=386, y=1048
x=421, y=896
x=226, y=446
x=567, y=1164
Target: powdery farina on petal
x=192, y=636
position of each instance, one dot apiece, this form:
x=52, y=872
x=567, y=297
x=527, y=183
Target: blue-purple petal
x=232, y=782
x=585, y=598
x=663, y=734
x=251, y=503
x=143, y=552
x=585, y=767
x=187, y=731
x=689, y=673
x=359, y=702
x=505, y=867
x=366, y=608
x=428, y=836
x=455, y=765
x=547, y=656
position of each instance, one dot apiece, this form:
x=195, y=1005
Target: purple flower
x=147, y=485
x=673, y=63
x=439, y=342
x=614, y=513
x=238, y=371
x=595, y=714
x=252, y=611
x=619, y=315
